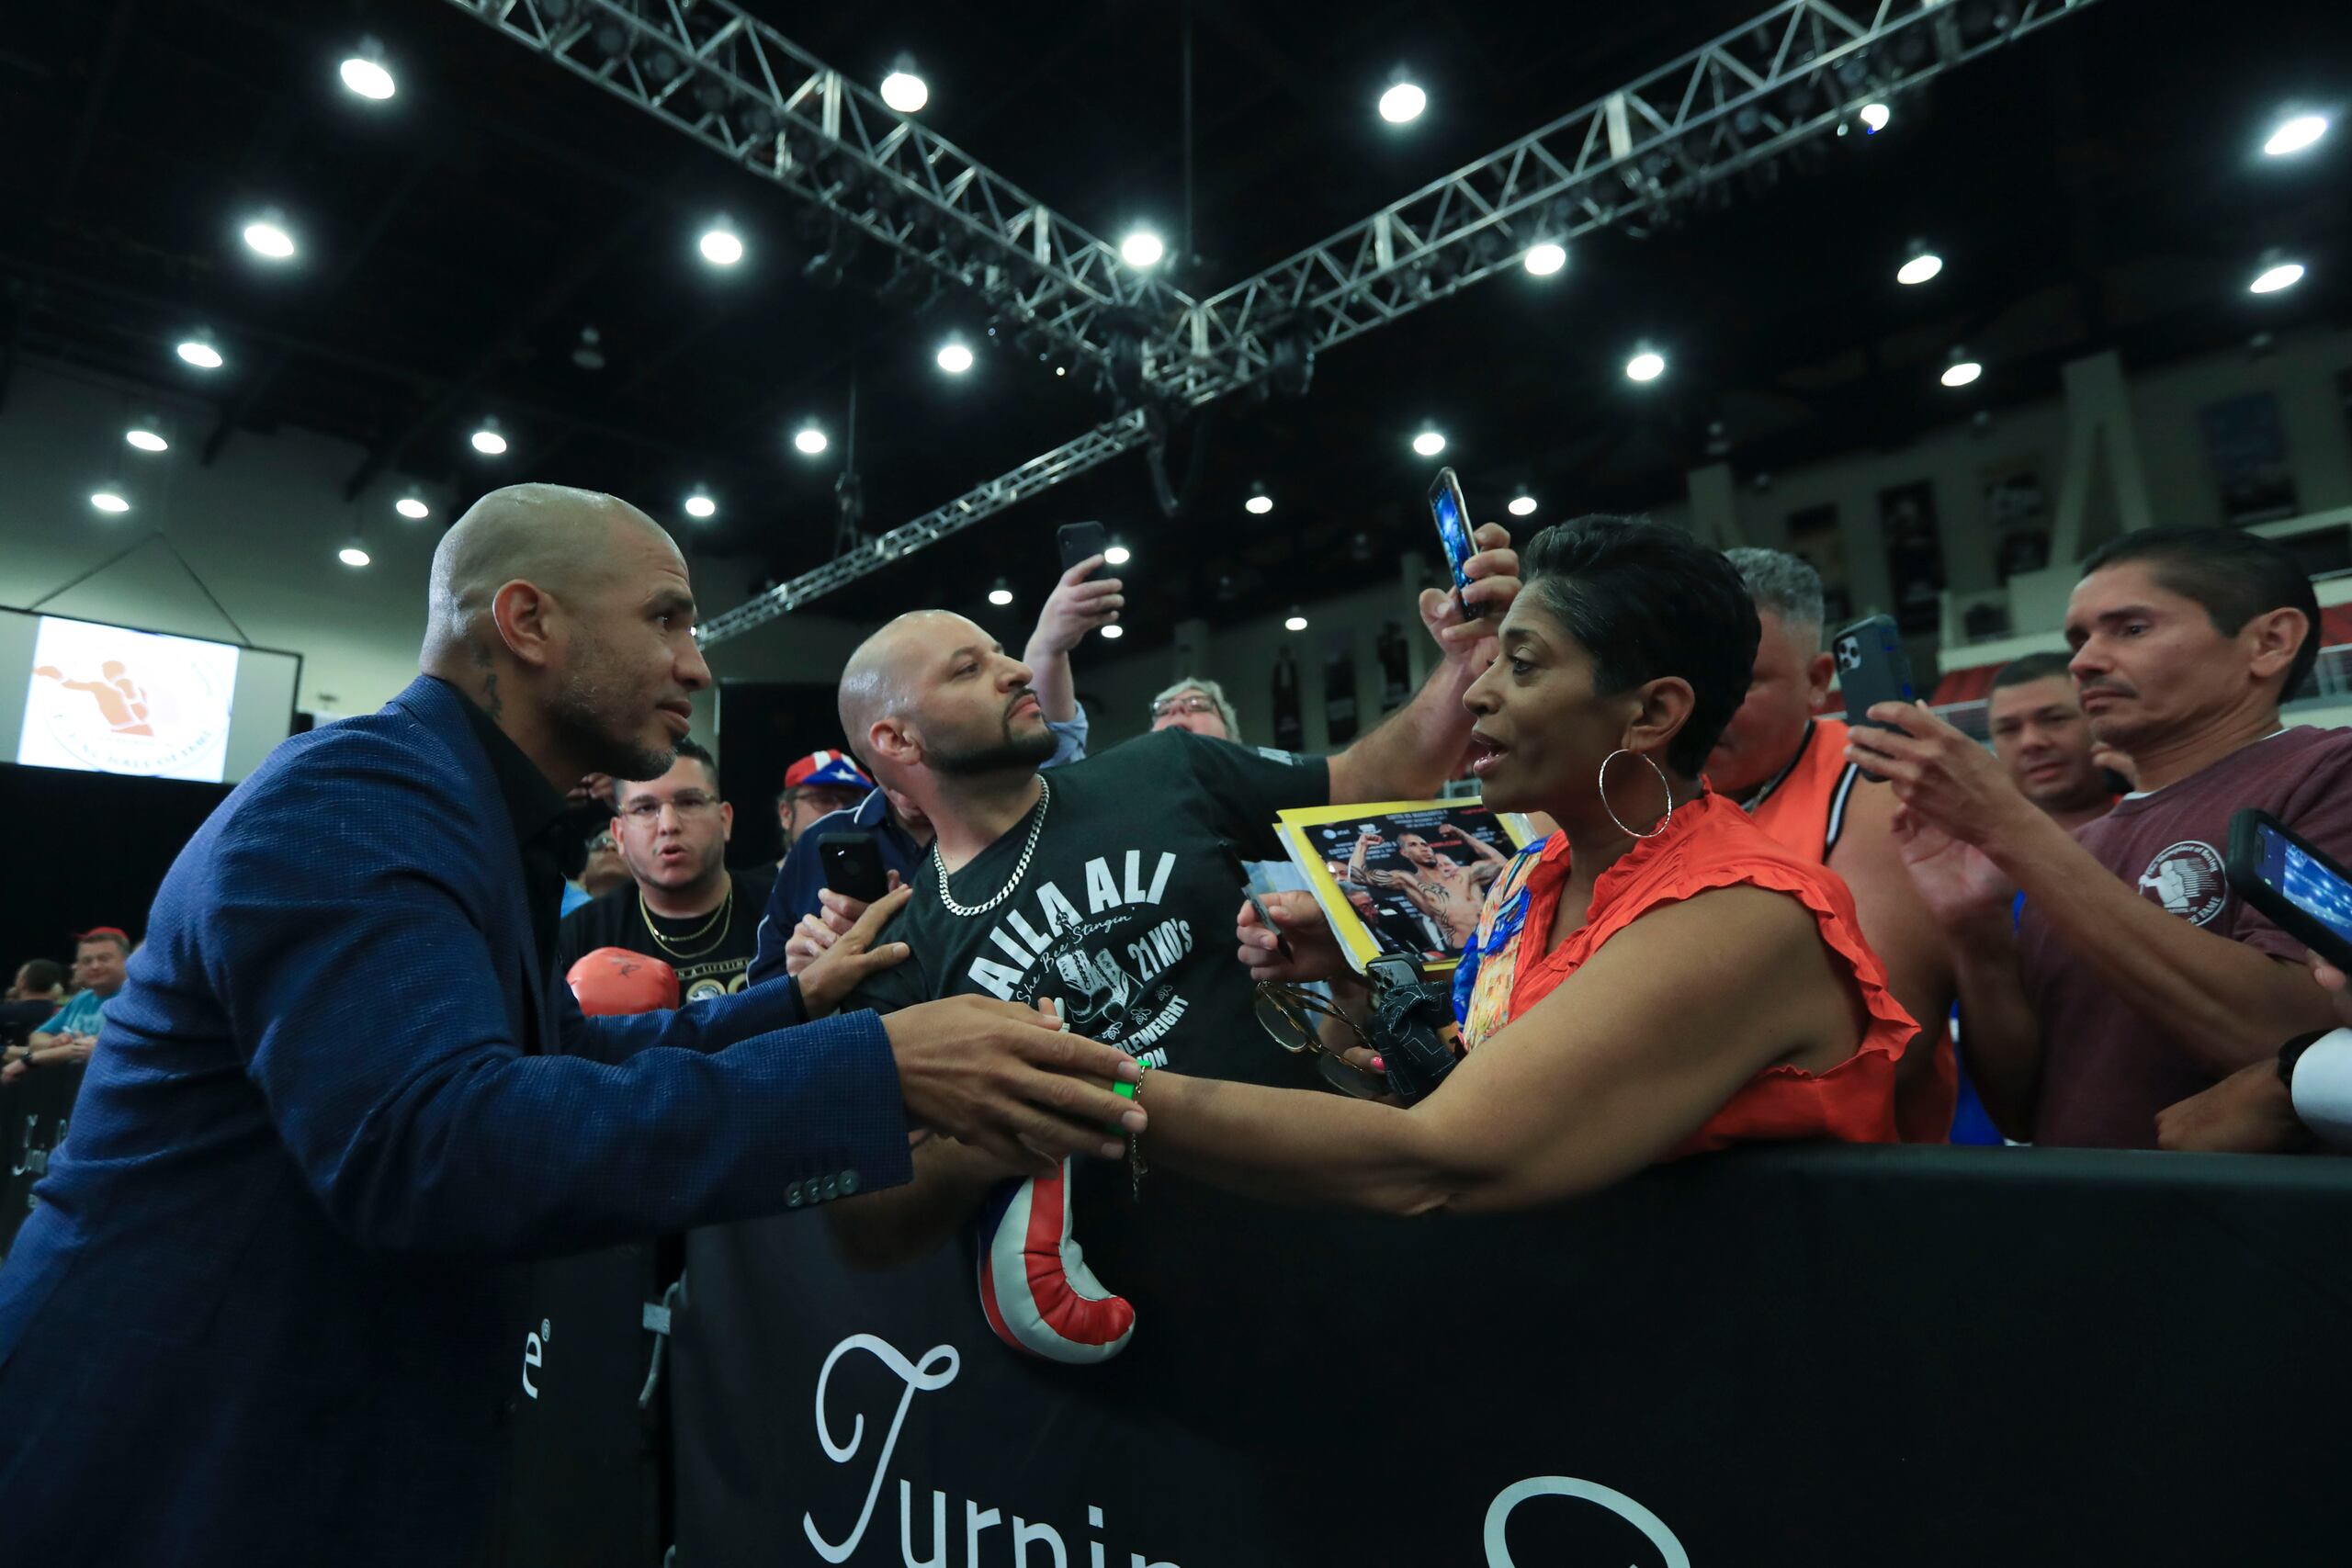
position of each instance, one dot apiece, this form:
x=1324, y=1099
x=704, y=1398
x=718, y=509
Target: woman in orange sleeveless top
x=1657, y=979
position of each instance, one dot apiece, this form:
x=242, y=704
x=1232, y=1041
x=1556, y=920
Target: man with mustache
x=1119, y=869
x=2135, y=978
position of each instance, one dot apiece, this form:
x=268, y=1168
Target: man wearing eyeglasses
x=681, y=904
x=1198, y=705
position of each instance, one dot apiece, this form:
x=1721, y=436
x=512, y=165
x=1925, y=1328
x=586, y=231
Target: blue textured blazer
x=255, y=1318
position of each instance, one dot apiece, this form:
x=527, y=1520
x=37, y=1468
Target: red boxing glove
x=615, y=980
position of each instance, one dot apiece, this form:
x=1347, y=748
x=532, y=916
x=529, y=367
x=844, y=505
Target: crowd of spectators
x=45, y=1022
x=2056, y=905
x=1733, y=919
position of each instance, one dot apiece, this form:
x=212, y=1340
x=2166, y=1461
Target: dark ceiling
x=2098, y=185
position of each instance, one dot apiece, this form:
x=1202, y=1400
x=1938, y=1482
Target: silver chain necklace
x=1036, y=825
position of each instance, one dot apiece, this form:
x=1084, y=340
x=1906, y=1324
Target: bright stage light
x=2294, y=135
x=811, y=440
x=905, y=92
x=955, y=358
x=1428, y=444
x=2280, y=274
x=412, y=509
x=1403, y=102
x=200, y=354
x=368, y=78
x=1646, y=365
x=1523, y=504
x=267, y=239
x=1545, y=259
x=146, y=440
x=721, y=245
x=1142, y=248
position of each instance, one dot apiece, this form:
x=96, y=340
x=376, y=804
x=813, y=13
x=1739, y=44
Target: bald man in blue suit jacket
x=254, y=1317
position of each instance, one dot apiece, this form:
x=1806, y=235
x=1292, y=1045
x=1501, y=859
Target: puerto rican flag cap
x=822, y=769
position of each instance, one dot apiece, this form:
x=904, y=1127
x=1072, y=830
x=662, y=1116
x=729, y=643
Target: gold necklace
x=726, y=912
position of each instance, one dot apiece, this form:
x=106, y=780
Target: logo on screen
x=106, y=700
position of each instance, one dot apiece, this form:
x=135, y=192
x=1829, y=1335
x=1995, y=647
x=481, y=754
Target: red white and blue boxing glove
x=1035, y=1288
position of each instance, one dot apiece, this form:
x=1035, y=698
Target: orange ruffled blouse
x=1708, y=842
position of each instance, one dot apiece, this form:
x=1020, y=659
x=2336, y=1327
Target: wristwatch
x=2292, y=1051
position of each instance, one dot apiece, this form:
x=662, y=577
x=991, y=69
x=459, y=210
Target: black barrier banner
x=1821, y=1357
x=581, y=1485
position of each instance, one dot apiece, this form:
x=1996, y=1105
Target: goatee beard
x=1015, y=753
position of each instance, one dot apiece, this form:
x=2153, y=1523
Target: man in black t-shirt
x=682, y=906
x=1110, y=886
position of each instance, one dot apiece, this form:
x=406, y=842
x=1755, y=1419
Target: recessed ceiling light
x=1142, y=248
x=1647, y=364
x=904, y=91
x=1260, y=502
x=488, y=441
x=1403, y=102
x=200, y=354
x=1545, y=259
x=1428, y=444
x=412, y=509
x=953, y=357
x=1114, y=631
x=811, y=440
x=146, y=440
x=352, y=554
x=2275, y=276
x=267, y=237
x=699, y=504
x=2294, y=135
x=1523, y=504
x=1298, y=621
x=107, y=501
x=1001, y=594
x=368, y=78
x=721, y=246
x=1919, y=265
x=1874, y=117
x=1117, y=554
x=1961, y=370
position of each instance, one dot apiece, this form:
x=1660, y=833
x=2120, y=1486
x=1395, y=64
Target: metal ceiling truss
x=1037, y=474
x=1800, y=70
x=742, y=88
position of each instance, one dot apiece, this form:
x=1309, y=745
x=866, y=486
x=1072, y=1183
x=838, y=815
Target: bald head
x=560, y=539
x=567, y=617
x=878, y=681
x=931, y=695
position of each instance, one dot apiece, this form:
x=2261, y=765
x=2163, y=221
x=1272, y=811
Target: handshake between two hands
x=1000, y=1077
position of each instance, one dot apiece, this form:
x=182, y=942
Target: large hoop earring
x=1662, y=784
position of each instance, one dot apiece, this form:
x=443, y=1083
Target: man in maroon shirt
x=2136, y=978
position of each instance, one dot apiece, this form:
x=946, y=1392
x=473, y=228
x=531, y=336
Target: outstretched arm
x=2222, y=1003
x=1606, y=1075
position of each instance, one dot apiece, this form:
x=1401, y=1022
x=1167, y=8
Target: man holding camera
x=2135, y=978
x=804, y=917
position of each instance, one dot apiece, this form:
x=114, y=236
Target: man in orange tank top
x=1789, y=769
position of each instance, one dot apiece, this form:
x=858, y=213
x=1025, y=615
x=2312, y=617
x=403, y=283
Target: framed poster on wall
x=2245, y=443
x=2017, y=516
x=1915, y=554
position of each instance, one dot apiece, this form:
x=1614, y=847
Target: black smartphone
x=853, y=866
x=1452, y=515
x=1872, y=668
x=2305, y=894
x=1080, y=540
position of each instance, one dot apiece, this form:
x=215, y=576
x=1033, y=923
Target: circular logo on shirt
x=2187, y=880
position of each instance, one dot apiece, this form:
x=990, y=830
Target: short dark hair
x=2234, y=575
x=2034, y=667
x=1647, y=600
x=685, y=748
x=41, y=974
